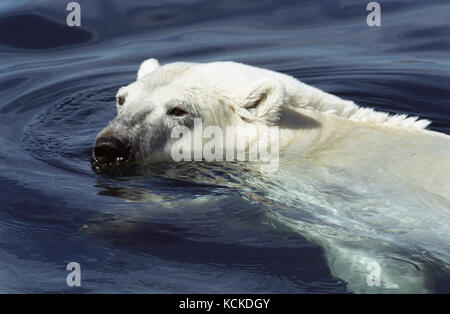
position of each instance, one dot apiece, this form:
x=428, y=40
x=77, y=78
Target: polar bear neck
x=302, y=95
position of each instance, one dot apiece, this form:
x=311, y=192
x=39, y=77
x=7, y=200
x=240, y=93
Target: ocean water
x=185, y=228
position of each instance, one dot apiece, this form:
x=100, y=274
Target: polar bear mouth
x=110, y=152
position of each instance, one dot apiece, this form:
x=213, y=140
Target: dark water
x=176, y=233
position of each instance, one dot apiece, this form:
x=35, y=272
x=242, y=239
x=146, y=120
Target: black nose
x=111, y=150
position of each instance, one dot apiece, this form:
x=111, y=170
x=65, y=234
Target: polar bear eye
x=177, y=112
x=120, y=100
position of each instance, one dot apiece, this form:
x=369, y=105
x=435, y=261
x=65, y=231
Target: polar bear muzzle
x=111, y=151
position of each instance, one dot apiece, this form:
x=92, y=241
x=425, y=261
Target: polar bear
x=313, y=124
x=382, y=181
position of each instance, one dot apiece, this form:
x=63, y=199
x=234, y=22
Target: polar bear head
x=175, y=95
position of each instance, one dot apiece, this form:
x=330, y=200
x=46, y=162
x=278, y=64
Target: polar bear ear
x=147, y=67
x=264, y=101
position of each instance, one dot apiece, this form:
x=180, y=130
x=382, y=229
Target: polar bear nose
x=110, y=150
